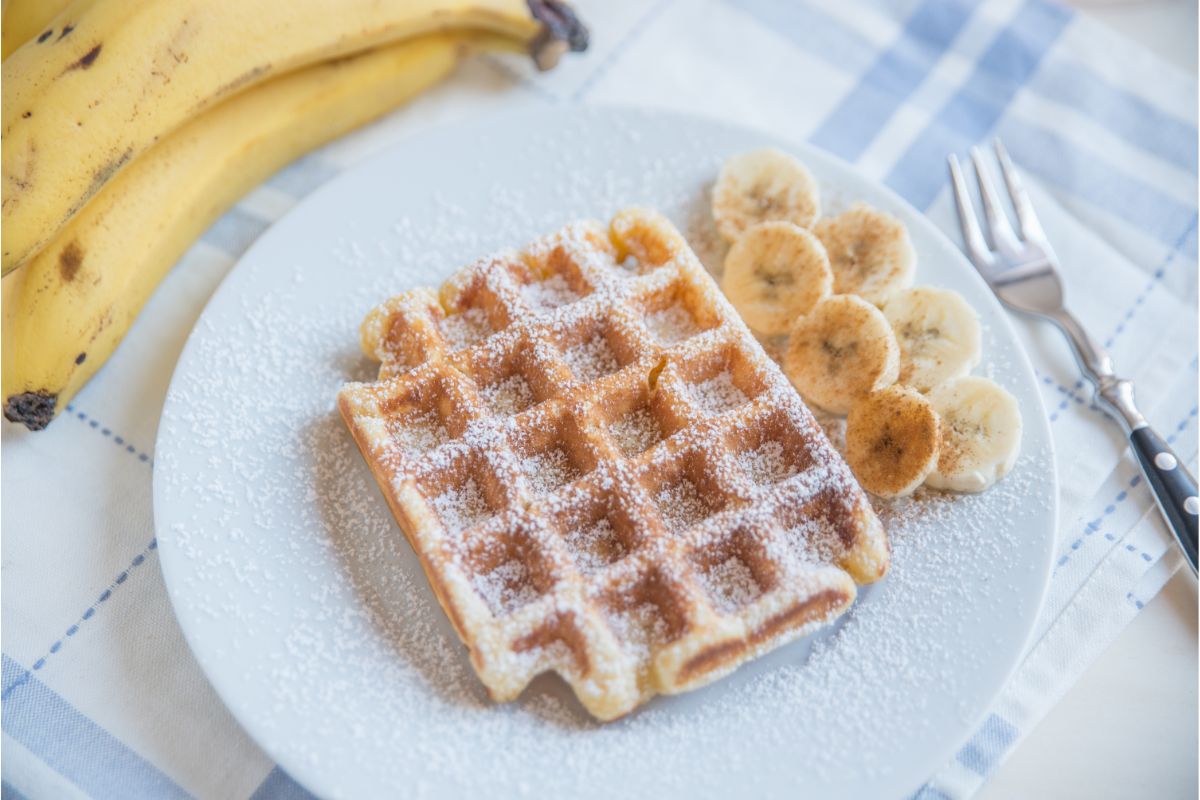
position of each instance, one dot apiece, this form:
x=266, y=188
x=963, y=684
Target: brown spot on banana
x=66, y=30
x=79, y=359
x=86, y=60
x=45, y=36
x=70, y=260
x=34, y=410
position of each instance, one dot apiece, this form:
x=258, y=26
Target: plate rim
x=311, y=778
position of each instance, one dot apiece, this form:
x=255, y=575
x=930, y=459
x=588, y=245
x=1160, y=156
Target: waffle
x=602, y=473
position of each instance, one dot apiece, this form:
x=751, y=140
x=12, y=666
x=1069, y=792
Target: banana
x=83, y=105
x=841, y=351
x=774, y=273
x=892, y=441
x=869, y=251
x=25, y=19
x=763, y=185
x=938, y=333
x=980, y=434
x=67, y=310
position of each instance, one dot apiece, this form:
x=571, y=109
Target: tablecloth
x=101, y=696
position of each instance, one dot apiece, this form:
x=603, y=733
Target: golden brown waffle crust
x=602, y=472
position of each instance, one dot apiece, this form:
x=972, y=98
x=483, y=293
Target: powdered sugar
x=511, y=395
x=767, y=464
x=507, y=587
x=592, y=359
x=549, y=294
x=549, y=470
x=717, y=394
x=462, y=508
x=672, y=324
x=466, y=328
x=640, y=627
x=417, y=434
x=730, y=584
x=680, y=505
x=594, y=546
x=636, y=432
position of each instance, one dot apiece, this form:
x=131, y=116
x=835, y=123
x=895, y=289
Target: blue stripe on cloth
x=75, y=746
x=8, y=792
x=929, y=793
x=813, y=31
x=983, y=751
x=1120, y=112
x=1007, y=64
x=279, y=786
x=894, y=76
x=235, y=231
x=303, y=175
x=1075, y=169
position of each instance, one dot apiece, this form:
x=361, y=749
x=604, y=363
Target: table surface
x=1140, y=741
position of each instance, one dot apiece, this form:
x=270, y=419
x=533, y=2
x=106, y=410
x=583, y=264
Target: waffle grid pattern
x=602, y=472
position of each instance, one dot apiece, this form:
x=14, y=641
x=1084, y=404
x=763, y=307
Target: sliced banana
x=869, y=251
x=938, y=333
x=892, y=441
x=980, y=434
x=841, y=351
x=763, y=185
x=775, y=273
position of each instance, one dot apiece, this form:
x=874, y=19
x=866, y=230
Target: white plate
x=306, y=608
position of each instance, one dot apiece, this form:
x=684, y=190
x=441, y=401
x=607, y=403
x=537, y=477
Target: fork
x=1022, y=269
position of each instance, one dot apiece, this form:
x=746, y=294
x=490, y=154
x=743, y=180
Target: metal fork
x=1023, y=271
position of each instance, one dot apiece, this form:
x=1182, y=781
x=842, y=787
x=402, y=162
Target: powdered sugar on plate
x=311, y=616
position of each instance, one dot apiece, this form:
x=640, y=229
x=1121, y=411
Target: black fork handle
x=1174, y=488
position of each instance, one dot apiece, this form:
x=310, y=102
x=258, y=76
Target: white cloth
x=101, y=696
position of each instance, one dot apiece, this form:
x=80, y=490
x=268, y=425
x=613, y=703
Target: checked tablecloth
x=101, y=696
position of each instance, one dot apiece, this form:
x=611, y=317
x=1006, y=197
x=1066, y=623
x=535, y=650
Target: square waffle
x=602, y=472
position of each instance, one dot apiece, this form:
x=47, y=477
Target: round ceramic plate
x=310, y=615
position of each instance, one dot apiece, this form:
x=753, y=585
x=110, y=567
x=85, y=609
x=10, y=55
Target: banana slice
x=841, y=351
x=774, y=273
x=870, y=252
x=938, y=333
x=980, y=433
x=763, y=186
x=892, y=441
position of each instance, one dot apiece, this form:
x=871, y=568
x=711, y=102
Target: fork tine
x=999, y=231
x=976, y=245
x=1031, y=227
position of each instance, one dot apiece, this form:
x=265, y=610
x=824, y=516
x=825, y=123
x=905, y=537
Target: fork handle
x=1174, y=488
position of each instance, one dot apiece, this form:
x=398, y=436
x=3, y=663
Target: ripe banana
x=892, y=441
x=763, y=186
x=980, y=434
x=774, y=273
x=841, y=351
x=67, y=310
x=116, y=77
x=25, y=19
x=938, y=333
x=869, y=251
